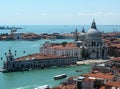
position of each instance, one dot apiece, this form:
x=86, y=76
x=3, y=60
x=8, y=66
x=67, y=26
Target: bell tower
x=9, y=62
x=9, y=56
x=76, y=35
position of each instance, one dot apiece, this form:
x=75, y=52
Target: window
x=10, y=58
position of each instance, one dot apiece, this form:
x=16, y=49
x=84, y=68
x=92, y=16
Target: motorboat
x=61, y=76
x=43, y=87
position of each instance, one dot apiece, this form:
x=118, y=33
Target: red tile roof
x=65, y=87
x=68, y=34
x=103, y=87
x=116, y=45
x=38, y=56
x=114, y=84
x=116, y=59
x=100, y=75
x=67, y=46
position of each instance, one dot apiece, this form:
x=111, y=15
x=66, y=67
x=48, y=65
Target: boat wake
x=35, y=45
x=26, y=87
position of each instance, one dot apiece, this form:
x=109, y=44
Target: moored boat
x=43, y=87
x=79, y=70
x=61, y=76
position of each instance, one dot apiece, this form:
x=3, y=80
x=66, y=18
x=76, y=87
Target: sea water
x=61, y=28
x=35, y=78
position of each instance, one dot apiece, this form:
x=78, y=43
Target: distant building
x=34, y=61
x=16, y=35
x=68, y=36
x=90, y=41
x=68, y=49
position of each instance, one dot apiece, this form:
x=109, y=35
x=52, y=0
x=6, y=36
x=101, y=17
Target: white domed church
x=92, y=42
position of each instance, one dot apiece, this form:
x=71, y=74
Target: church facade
x=92, y=42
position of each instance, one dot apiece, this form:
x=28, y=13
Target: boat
x=78, y=70
x=43, y=87
x=2, y=70
x=61, y=76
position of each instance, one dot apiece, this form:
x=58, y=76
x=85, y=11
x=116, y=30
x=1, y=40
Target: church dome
x=93, y=33
x=82, y=34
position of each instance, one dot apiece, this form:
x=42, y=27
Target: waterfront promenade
x=91, y=61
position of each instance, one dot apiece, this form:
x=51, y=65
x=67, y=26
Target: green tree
x=64, y=43
x=84, y=53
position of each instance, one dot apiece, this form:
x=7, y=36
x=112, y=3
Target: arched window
x=31, y=64
x=93, y=50
x=22, y=65
x=92, y=44
x=10, y=58
x=13, y=65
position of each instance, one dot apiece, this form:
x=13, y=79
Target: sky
x=59, y=12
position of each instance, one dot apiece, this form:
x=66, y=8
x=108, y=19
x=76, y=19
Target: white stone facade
x=26, y=62
x=92, y=41
x=73, y=52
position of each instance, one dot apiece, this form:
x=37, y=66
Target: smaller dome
x=93, y=33
x=79, y=41
x=82, y=34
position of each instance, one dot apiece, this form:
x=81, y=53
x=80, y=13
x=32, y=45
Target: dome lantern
x=93, y=26
x=93, y=32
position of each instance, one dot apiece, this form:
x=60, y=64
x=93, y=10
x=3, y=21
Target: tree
x=64, y=43
x=84, y=53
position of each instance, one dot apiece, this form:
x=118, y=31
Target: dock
x=88, y=62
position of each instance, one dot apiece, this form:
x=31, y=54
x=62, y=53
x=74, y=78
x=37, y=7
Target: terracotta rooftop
x=112, y=34
x=65, y=87
x=67, y=46
x=38, y=56
x=103, y=87
x=114, y=84
x=100, y=75
x=68, y=34
x=89, y=79
x=116, y=59
x=116, y=45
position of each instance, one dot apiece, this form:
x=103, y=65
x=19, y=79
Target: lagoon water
x=35, y=78
x=61, y=28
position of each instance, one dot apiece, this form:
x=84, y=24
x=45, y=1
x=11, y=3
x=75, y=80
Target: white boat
x=61, y=76
x=43, y=87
